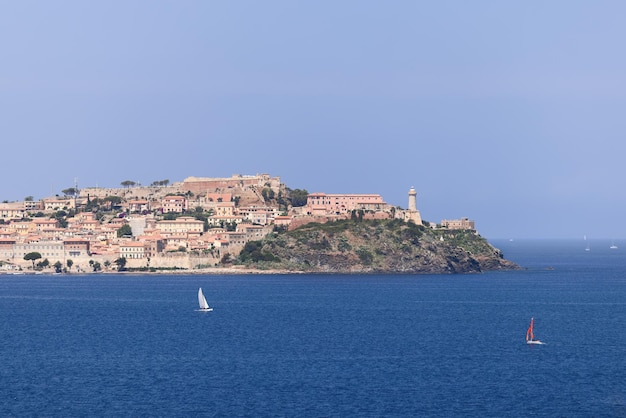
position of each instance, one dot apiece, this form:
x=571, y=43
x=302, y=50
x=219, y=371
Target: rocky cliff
x=383, y=246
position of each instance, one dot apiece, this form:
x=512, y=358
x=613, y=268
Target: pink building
x=76, y=247
x=175, y=204
x=337, y=204
x=139, y=205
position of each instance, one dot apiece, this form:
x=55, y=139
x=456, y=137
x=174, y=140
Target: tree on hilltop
x=112, y=201
x=128, y=183
x=298, y=197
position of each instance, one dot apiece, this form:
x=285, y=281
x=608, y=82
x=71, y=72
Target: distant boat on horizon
x=613, y=246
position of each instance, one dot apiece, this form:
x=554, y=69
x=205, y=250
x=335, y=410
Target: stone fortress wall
x=200, y=185
x=135, y=192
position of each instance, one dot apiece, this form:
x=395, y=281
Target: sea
x=117, y=345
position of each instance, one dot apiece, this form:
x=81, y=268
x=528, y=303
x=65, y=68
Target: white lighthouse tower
x=412, y=214
x=412, y=199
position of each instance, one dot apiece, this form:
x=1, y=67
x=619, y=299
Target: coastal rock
x=375, y=246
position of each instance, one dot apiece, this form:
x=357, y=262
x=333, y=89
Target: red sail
x=529, y=334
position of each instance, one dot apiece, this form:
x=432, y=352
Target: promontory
x=244, y=223
x=374, y=246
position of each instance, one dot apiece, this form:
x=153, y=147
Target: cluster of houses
x=186, y=225
x=154, y=238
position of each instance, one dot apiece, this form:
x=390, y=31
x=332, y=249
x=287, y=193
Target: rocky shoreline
x=375, y=247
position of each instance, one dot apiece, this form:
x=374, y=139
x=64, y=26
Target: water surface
x=297, y=345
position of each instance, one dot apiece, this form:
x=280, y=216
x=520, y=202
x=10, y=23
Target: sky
x=508, y=113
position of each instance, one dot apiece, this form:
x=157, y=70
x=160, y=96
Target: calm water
x=323, y=345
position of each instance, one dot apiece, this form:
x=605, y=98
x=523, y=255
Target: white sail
x=202, y=300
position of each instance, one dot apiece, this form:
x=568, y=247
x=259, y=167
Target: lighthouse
x=412, y=199
x=412, y=214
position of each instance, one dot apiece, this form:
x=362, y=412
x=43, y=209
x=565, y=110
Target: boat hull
x=534, y=342
x=205, y=310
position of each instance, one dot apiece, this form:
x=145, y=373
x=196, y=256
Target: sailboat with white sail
x=204, y=306
x=530, y=333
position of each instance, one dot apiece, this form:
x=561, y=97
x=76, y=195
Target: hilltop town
x=198, y=223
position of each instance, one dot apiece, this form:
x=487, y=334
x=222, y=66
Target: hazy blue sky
x=509, y=113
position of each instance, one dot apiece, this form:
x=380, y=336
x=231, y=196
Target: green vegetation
x=226, y=259
x=362, y=245
x=61, y=217
x=365, y=256
x=124, y=231
x=70, y=191
x=113, y=200
x=253, y=251
x=95, y=266
x=298, y=197
x=268, y=194
x=200, y=215
x=121, y=263
x=32, y=257
x=470, y=241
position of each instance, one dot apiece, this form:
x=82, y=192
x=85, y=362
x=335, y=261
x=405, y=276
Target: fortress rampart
x=202, y=185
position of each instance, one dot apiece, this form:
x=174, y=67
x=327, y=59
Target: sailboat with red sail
x=530, y=333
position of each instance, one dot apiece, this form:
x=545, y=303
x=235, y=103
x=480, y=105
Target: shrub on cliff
x=253, y=251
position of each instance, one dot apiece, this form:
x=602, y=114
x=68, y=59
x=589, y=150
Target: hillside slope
x=389, y=246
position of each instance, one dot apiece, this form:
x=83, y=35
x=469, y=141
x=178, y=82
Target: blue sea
x=323, y=345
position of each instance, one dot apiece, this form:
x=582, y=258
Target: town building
x=338, y=204
x=56, y=204
x=463, y=223
x=132, y=250
x=174, y=204
x=10, y=211
x=181, y=225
